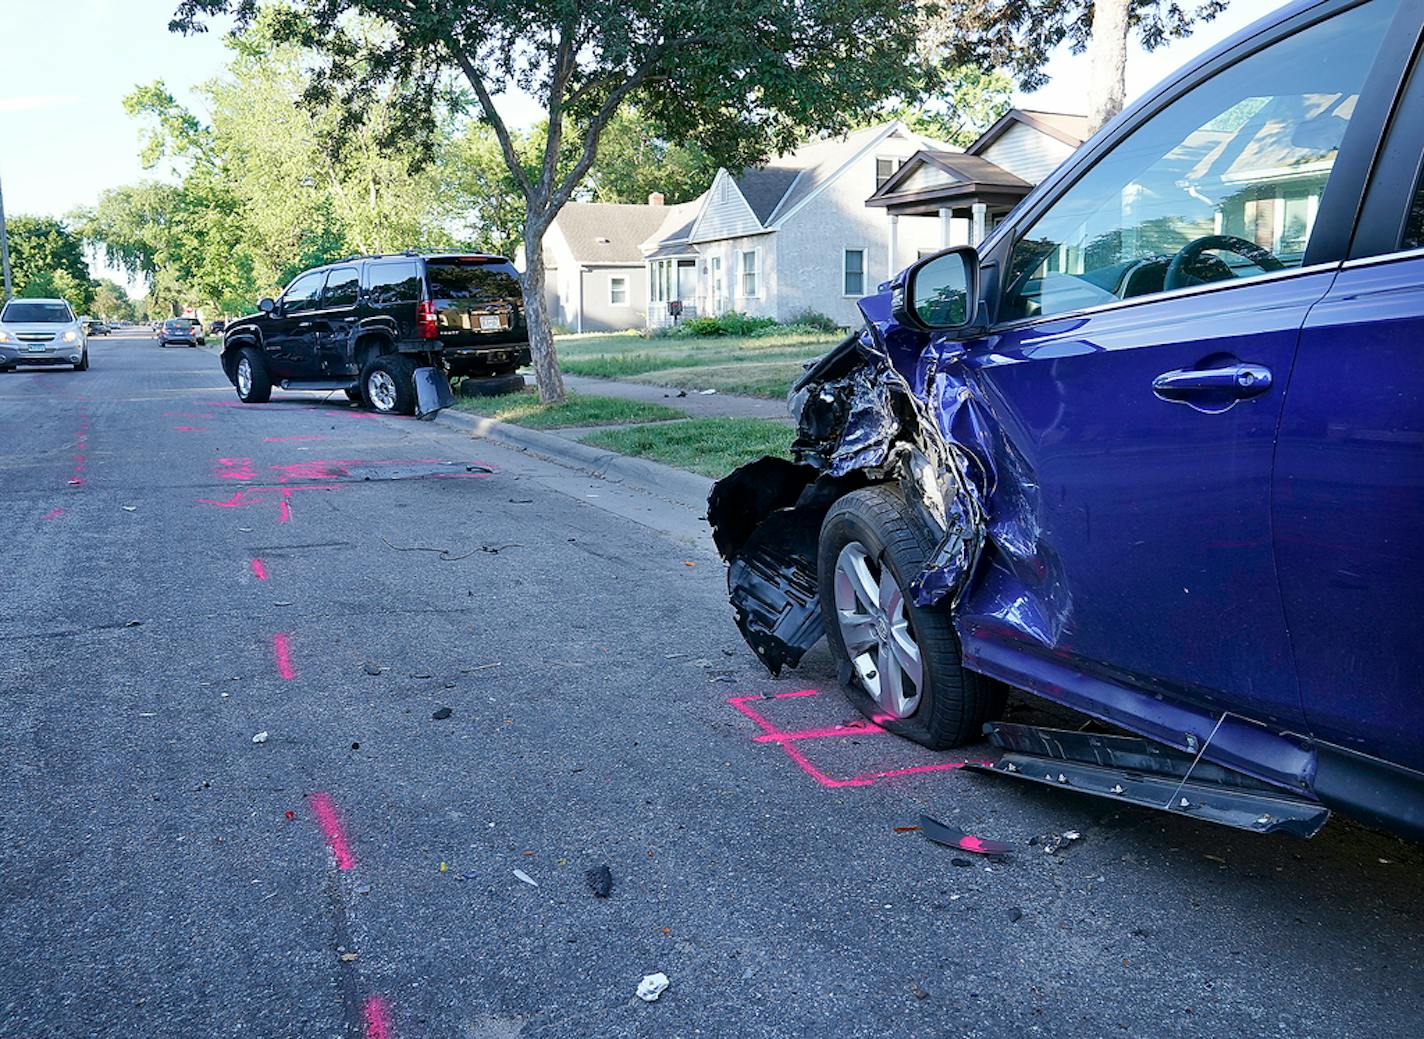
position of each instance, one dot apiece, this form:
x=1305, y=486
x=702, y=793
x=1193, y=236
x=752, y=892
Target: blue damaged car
x=1153, y=451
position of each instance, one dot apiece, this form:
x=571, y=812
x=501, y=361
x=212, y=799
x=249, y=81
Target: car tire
x=254, y=385
x=82, y=365
x=491, y=385
x=388, y=385
x=867, y=537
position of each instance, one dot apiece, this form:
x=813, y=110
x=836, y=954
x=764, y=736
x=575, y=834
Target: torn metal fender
x=858, y=422
x=432, y=392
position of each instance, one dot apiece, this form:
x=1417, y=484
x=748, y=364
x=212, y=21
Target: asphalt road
x=181, y=573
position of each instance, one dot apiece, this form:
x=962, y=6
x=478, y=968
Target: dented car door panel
x=1130, y=536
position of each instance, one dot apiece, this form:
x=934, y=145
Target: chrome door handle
x=1233, y=382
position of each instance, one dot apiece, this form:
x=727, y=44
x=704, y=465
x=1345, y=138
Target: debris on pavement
x=129, y=508
x=289, y=815
x=600, y=881
x=918, y=992
x=350, y=957
x=479, y=667
x=132, y=624
x=261, y=737
x=444, y=554
x=706, y=393
x=652, y=986
x=1054, y=842
x=1015, y=915
x=441, y=713
x=523, y=877
x=373, y=669
x=953, y=837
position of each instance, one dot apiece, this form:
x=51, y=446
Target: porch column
x=980, y=224
x=890, y=267
x=944, y=227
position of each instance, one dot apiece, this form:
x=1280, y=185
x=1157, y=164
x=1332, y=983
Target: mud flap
x=432, y=392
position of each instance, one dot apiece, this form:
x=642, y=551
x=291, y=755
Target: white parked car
x=41, y=331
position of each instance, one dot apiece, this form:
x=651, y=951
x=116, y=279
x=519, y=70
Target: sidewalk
x=697, y=405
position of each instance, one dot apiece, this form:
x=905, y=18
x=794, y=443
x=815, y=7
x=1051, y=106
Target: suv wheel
x=254, y=385
x=388, y=384
x=904, y=663
x=82, y=365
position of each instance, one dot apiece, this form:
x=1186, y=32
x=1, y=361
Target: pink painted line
x=377, y=1018
x=55, y=513
x=259, y=569
x=851, y=728
x=284, y=512
x=325, y=813
x=282, y=650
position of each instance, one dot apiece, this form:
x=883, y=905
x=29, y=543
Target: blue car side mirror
x=939, y=293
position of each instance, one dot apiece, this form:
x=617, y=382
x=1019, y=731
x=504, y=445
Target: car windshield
x=38, y=313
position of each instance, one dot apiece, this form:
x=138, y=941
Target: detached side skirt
x=1140, y=772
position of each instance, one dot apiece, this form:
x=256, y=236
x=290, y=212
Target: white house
x=791, y=236
x=596, y=279
x=971, y=191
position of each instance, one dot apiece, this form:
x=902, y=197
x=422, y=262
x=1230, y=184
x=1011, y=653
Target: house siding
x=1027, y=153
x=601, y=316
x=812, y=241
x=726, y=214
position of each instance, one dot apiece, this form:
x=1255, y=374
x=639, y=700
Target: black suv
x=365, y=324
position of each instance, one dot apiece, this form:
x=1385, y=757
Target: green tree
x=634, y=161
x=47, y=259
x=742, y=79
x=111, y=301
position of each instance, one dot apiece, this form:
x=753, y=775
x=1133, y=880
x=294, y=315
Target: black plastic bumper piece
x=1137, y=771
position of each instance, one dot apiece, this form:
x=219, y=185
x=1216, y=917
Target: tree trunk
x=1108, y=50
x=536, y=316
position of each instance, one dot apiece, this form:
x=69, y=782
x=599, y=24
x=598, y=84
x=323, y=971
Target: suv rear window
x=393, y=283
x=473, y=278
x=39, y=313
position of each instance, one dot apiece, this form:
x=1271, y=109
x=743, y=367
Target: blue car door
x=1349, y=482
x=1147, y=319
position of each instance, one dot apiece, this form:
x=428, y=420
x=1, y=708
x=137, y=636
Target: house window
x=750, y=271
x=853, y=273
x=885, y=169
x=716, y=278
x=618, y=291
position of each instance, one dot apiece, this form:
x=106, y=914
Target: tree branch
x=559, y=81
x=506, y=143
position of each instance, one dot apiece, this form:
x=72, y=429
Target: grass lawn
x=710, y=446
x=628, y=355
x=524, y=409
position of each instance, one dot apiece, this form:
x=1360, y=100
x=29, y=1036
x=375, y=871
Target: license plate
x=35, y=348
x=490, y=323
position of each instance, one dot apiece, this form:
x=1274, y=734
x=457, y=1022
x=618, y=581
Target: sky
x=64, y=135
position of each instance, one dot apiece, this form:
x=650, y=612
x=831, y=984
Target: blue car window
x=1222, y=183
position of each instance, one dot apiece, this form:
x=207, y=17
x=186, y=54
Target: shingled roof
x=608, y=233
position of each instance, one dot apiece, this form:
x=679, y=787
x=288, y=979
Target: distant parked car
x=198, y=331
x=177, y=330
x=215, y=328
x=41, y=331
x=364, y=326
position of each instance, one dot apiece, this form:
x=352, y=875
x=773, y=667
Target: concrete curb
x=662, y=481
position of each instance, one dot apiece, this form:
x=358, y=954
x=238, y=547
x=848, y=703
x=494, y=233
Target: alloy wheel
x=244, y=377
x=381, y=388
x=875, y=628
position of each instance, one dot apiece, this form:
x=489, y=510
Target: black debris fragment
x=441, y=713
x=956, y=861
x=373, y=669
x=600, y=881
x=953, y=837
x=1015, y=915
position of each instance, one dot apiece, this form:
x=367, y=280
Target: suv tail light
x=425, y=323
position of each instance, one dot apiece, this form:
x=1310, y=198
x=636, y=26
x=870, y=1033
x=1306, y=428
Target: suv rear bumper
x=501, y=357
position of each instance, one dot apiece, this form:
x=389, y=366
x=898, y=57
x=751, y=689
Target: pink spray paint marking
x=325, y=813
x=282, y=650
x=787, y=740
x=55, y=513
x=377, y=1018
x=284, y=512
x=259, y=569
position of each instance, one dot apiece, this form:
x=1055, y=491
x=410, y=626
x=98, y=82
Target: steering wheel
x=1179, y=271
